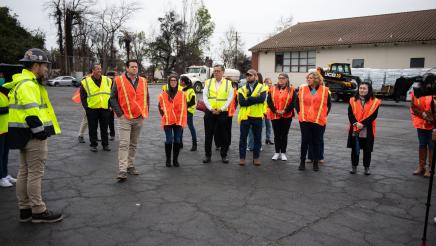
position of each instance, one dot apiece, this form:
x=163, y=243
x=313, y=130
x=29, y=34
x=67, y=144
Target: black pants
x=229, y=135
x=281, y=129
x=4, y=153
x=216, y=126
x=311, y=137
x=111, y=124
x=366, y=154
x=96, y=117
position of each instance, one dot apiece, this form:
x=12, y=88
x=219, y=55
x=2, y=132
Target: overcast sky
x=254, y=19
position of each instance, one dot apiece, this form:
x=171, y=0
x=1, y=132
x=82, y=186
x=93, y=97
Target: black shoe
x=269, y=142
x=194, y=147
x=217, y=148
x=81, y=139
x=367, y=172
x=302, y=166
x=224, y=159
x=181, y=146
x=46, y=217
x=176, y=151
x=106, y=148
x=315, y=166
x=25, y=215
x=122, y=176
x=353, y=170
x=168, y=149
x=112, y=138
x=207, y=159
x=94, y=149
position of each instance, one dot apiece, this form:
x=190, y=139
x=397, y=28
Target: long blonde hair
x=318, y=79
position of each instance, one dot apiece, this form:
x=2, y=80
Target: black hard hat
x=35, y=55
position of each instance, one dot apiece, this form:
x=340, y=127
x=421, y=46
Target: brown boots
x=421, y=170
x=430, y=157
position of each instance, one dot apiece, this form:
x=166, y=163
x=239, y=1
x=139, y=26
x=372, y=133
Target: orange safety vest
x=232, y=107
x=313, y=108
x=76, y=96
x=281, y=100
x=174, y=110
x=132, y=102
x=361, y=113
x=424, y=105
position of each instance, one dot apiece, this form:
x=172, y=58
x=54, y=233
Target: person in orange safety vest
x=362, y=114
x=173, y=109
x=313, y=105
x=423, y=121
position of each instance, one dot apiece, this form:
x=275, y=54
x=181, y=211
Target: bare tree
x=67, y=15
x=282, y=24
x=111, y=21
x=231, y=48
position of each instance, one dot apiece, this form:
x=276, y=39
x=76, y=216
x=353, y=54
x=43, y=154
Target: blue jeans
x=256, y=126
x=424, y=138
x=4, y=152
x=250, y=137
x=192, y=128
x=268, y=128
x=173, y=134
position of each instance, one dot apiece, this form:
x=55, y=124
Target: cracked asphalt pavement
x=225, y=204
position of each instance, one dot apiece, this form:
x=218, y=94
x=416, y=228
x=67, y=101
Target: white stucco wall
x=375, y=57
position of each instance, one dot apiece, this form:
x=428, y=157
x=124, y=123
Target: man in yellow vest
x=217, y=96
x=95, y=92
x=251, y=99
x=31, y=121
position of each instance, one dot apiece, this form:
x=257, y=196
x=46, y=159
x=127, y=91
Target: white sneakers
x=7, y=181
x=282, y=157
x=11, y=180
x=4, y=182
x=275, y=156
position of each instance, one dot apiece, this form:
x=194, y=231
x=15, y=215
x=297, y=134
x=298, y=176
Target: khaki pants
x=129, y=131
x=83, y=125
x=30, y=172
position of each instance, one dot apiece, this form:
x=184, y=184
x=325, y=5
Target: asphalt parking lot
x=225, y=204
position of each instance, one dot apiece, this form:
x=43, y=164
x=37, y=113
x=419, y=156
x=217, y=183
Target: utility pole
x=236, y=49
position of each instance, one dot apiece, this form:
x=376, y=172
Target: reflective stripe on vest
x=217, y=99
x=171, y=106
x=190, y=93
x=255, y=110
x=133, y=102
x=362, y=113
x=43, y=110
x=103, y=92
x=4, y=103
x=423, y=104
x=316, y=109
x=278, y=102
x=232, y=107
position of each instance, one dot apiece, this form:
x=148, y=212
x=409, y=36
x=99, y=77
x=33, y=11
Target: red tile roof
x=416, y=26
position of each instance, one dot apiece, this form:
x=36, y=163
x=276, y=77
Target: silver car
x=62, y=80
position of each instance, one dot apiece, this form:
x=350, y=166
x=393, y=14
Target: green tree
x=163, y=50
x=14, y=39
x=181, y=42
